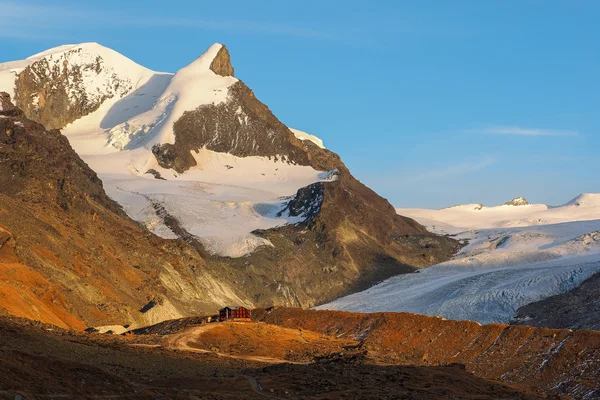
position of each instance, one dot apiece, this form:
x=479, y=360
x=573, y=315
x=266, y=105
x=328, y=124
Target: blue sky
x=430, y=103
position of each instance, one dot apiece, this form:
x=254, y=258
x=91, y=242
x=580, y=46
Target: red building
x=234, y=313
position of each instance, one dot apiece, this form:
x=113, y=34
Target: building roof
x=234, y=307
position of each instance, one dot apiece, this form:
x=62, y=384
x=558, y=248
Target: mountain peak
x=221, y=64
x=585, y=199
x=517, y=201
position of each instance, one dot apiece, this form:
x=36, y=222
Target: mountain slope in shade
x=278, y=219
x=578, y=308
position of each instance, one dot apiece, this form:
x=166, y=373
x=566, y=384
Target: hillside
x=70, y=255
x=576, y=309
x=548, y=360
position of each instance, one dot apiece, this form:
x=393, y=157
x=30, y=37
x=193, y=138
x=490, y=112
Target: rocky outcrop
x=221, y=64
x=548, y=360
x=576, y=309
x=517, y=201
x=56, y=91
x=7, y=108
x=306, y=204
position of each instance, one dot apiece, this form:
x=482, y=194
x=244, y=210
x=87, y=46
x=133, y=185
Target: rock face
x=221, y=64
x=548, y=360
x=56, y=90
x=242, y=126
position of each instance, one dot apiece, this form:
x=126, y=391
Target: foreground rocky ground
x=42, y=361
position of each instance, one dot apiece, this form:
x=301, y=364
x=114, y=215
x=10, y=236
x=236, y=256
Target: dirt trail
x=181, y=341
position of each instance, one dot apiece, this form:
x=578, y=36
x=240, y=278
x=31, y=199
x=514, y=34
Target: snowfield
x=221, y=200
x=514, y=255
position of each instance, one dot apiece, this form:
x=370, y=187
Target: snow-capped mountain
x=513, y=255
x=126, y=110
x=195, y=155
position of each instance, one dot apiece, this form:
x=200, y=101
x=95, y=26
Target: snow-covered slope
x=192, y=86
x=477, y=216
x=221, y=200
x=514, y=255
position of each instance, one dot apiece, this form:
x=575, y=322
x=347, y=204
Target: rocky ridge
x=557, y=361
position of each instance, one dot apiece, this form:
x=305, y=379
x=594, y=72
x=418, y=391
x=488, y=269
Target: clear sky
x=430, y=103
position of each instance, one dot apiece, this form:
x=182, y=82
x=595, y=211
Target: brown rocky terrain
x=70, y=255
x=576, y=309
x=556, y=361
x=42, y=361
x=260, y=341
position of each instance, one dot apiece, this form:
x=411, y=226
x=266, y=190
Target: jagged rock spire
x=221, y=64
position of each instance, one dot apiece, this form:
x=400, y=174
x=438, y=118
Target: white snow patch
x=307, y=136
